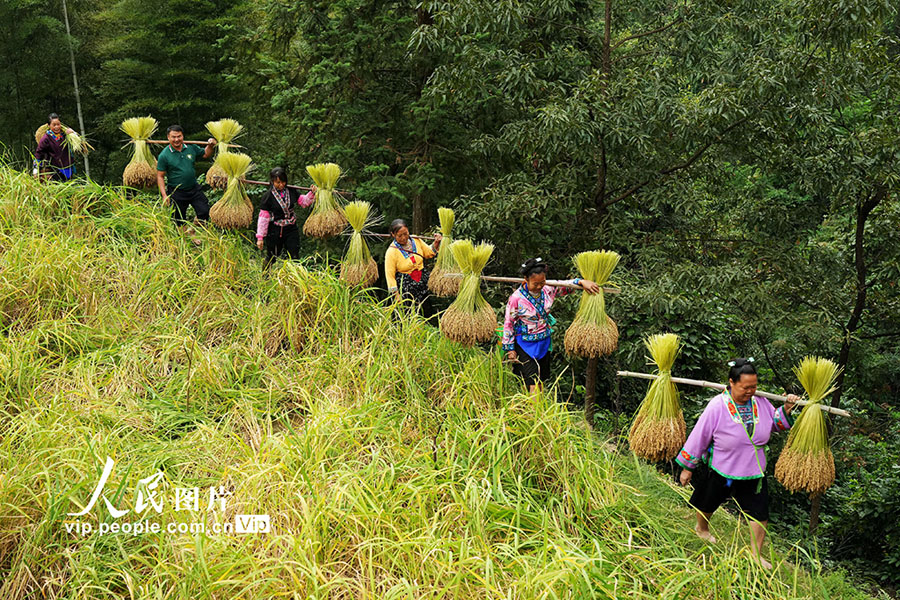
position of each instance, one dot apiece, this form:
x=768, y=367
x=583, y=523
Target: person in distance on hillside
x=177, y=179
x=528, y=324
x=52, y=159
x=404, y=266
x=730, y=437
x=276, y=228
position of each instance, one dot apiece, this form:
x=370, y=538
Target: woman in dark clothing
x=276, y=229
x=52, y=159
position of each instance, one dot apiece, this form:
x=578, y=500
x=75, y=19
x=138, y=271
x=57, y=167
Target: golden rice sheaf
x=805, y=471
x=364, y=274
x=657, y=440
x=468, y=328
x=139, y=175
x=441, y=284
x=230, y=216
x=325, y=225
x=589, y=340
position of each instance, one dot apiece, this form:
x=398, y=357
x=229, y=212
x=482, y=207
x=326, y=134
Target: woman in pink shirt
x=730, y=437
x=528, y=322
x=277, y=228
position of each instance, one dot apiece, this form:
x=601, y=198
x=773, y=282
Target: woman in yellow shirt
x=404, y=264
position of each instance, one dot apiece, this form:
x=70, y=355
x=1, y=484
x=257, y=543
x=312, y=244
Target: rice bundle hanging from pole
x=806, y=462
x=438, y=282
x=592, y=333
x=141, y=170
x=224, y=130
x=658, y=431
x=470, y=319
x=358, y=266
x=327, y=218
x=233, y=210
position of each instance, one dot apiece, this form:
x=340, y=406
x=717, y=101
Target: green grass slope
x=392, y=462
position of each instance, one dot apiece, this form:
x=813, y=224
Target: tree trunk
x=814, y=512
x=87, y=166
x=420, y=215
x=863, y=210
x=590, y=391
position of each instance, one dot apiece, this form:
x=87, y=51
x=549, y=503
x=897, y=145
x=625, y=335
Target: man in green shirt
x=176, y=163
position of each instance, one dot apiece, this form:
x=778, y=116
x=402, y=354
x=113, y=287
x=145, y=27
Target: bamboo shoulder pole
x=193, y=143
x=387, y=235
x=720, y=387
x=294, y=187
x=553, y=282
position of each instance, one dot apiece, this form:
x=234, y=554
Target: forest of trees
x=742, y=157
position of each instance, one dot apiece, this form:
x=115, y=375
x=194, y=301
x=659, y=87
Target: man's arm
x=161, y=183
x=210, y=144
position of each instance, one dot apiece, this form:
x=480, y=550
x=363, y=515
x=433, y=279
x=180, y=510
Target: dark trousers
x=195, y=197
x=280, y=240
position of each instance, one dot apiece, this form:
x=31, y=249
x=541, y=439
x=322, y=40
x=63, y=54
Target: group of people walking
x=724, y=456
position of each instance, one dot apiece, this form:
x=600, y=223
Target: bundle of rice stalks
x=224, y=130
x=470, y=319
x=806, y=462
x=593, y=333
x=358, y=266
x=141, y=170
x=658, y=431
x=438, y=282
x=73, y=141
x=327, y=218
x=76, y=144
x=233, y=210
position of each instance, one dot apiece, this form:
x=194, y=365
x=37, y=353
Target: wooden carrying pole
x=193, y=143
x=553, y=282
x=720, y=387
x=295, y=187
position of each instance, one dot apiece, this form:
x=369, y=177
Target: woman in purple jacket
x=52, y=158
x=731, y=437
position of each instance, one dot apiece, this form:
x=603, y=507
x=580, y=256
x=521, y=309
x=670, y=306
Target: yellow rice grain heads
x=658, y=431
x=358, y=266
x=225, y=131
x=806, y=463
x=327, y=218
x=441, y=281
x=140, y=172
x=470, y=319
x=234, y=209
x=592, y=333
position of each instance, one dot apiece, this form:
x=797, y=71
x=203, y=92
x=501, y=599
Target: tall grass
x=393, y=462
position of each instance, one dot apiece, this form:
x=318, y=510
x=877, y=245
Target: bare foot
x=704, y=534
x=763, y=562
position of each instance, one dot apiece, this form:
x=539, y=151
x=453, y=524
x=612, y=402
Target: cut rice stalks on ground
x=140, y=172
x=327, y=218
x=592, y=333
x=440, y=283
x=470, y=319
x=658, y=431
x=234, y=209
x=358, y=266
x=225, y=131
x=806, y=463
